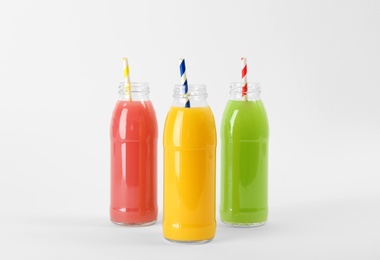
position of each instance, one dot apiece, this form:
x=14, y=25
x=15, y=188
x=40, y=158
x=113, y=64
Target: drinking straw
x=185, y=88
x=127, y=81
x=244, y=78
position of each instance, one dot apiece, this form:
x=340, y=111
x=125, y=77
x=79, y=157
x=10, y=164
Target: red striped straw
x=244, y=78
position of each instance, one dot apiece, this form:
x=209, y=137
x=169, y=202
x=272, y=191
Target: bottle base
x=143, y=224
x=236, y=224
x=189, y=242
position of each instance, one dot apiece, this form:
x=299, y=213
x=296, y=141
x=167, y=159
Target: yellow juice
x=189, y=174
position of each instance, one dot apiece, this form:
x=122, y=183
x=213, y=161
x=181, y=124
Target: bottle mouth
x=192, y=91
x=253, y=91
x=253, y=88
x=136, y=88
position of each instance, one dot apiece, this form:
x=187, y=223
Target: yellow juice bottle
x=189, y=169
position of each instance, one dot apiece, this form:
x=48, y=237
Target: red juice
x=134, y=163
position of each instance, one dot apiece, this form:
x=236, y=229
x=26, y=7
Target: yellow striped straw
x=127, y=81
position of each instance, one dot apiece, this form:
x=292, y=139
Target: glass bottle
x=134, y=158
x=189, y=141
x=244, y=158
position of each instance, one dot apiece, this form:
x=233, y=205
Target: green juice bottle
x=244, y=159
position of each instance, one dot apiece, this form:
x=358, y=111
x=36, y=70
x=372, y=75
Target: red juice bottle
x=134, y=158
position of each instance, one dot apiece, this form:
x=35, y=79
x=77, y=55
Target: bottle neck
x=253, y=91
x=139, y=92
x=196, y=95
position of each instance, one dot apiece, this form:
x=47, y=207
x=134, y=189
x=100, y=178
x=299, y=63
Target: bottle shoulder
x=190, y=127
x=134, y=120
x=245, y=120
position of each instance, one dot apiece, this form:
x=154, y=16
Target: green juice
x=244, y=163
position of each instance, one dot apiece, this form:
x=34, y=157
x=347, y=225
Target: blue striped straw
x=185, y=88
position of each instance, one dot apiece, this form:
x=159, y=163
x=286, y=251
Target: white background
x=318, y=64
